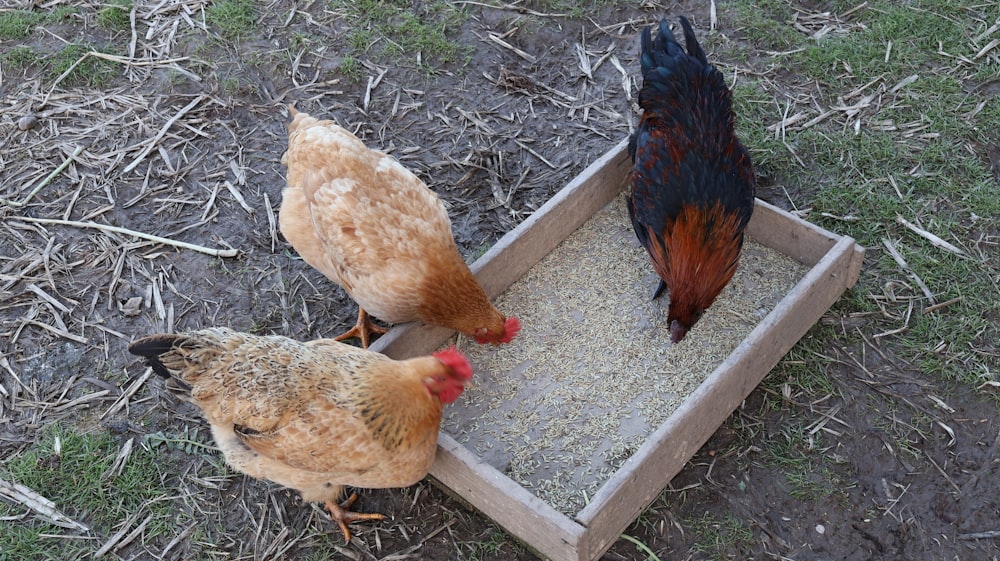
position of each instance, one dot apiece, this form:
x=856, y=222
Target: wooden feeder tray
x=825, y=266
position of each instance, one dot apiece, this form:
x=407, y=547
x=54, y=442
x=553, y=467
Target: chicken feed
x=593, y=372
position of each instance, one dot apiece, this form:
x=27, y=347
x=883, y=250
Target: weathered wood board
x=834, y=263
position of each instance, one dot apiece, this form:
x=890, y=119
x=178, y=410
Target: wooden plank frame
x=835, y=263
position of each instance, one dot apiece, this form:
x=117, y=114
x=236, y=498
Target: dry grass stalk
x=44, y=182
x=496, y=38
x=119, y=537
x=941, y=305
x=126, y=395
x=128, y=232
x=45, y=508
x=151, y=144
x=935, y=240
x=898, y=258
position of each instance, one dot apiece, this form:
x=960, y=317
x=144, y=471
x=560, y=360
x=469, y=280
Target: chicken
x=373, y=227
x=312, y=416
x=692, y=181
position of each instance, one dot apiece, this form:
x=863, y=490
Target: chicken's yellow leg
x=362, y=329
x=343, y=517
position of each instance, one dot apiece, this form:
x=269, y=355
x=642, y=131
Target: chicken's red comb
x=455, y=361
x=510, y=328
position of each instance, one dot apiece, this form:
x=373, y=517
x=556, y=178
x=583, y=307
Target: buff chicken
x=373, y=227
x=312, y=416
x=692, y=181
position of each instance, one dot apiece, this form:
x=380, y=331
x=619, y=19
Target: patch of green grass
x=299, y=41
x=813, y=483
x=875, y=177
x=78, y=475
x=18, y=24
x=115, y=17
x=233, y=18
x=488, y=547
x=766, y=24
x=239, y=85
x=359, y=40
x=18, y=58
x=323, y=547
x=802, y=369
x=909, y=429
x=61, y=13
x=350, y=67
x=720, y=538
x=24, y=542
x=92, y=72
x=793, y=453
x=403, y=30
x=913, y=29
x=755, y=109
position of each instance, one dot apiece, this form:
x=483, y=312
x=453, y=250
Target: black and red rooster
x=692, y=181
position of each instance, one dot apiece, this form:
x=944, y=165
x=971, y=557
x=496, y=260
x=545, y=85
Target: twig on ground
x=272, y=222
x=49, y=178
x=958, y=490
x=980, y=535
x=120, y=539
x=151, y=145
x=935, y=240
x=122, y=400
x=536, y=154
x=526, y=56
x=514, y=7
x=42, y=506
x=906, y=267
x=641, y=547
x=60, y=332
x=127, y=232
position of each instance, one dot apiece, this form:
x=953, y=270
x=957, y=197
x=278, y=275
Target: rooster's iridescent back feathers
x=692, y=180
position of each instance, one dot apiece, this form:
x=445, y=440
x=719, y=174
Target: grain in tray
x=593, y=372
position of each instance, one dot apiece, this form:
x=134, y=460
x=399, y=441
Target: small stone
x=820, y=529
x=131, y=307
x=27, y=122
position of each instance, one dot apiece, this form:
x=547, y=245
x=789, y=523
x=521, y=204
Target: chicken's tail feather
x=660, y=288
x=664, y=54
x=673, y=81
x=694, y=49
x=658, y=53
x=153, y=348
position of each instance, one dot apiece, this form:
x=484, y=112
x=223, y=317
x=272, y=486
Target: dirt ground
x=188, y=148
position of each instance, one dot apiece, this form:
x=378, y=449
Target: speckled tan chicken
x=373, y=227
x=312, y=416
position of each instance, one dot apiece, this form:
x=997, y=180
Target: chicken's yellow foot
x=363, y=329
x=343, y=517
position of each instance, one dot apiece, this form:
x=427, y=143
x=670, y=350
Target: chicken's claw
x=363, y=329
x=343, y=517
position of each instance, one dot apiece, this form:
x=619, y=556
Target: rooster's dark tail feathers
x=664, y=52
